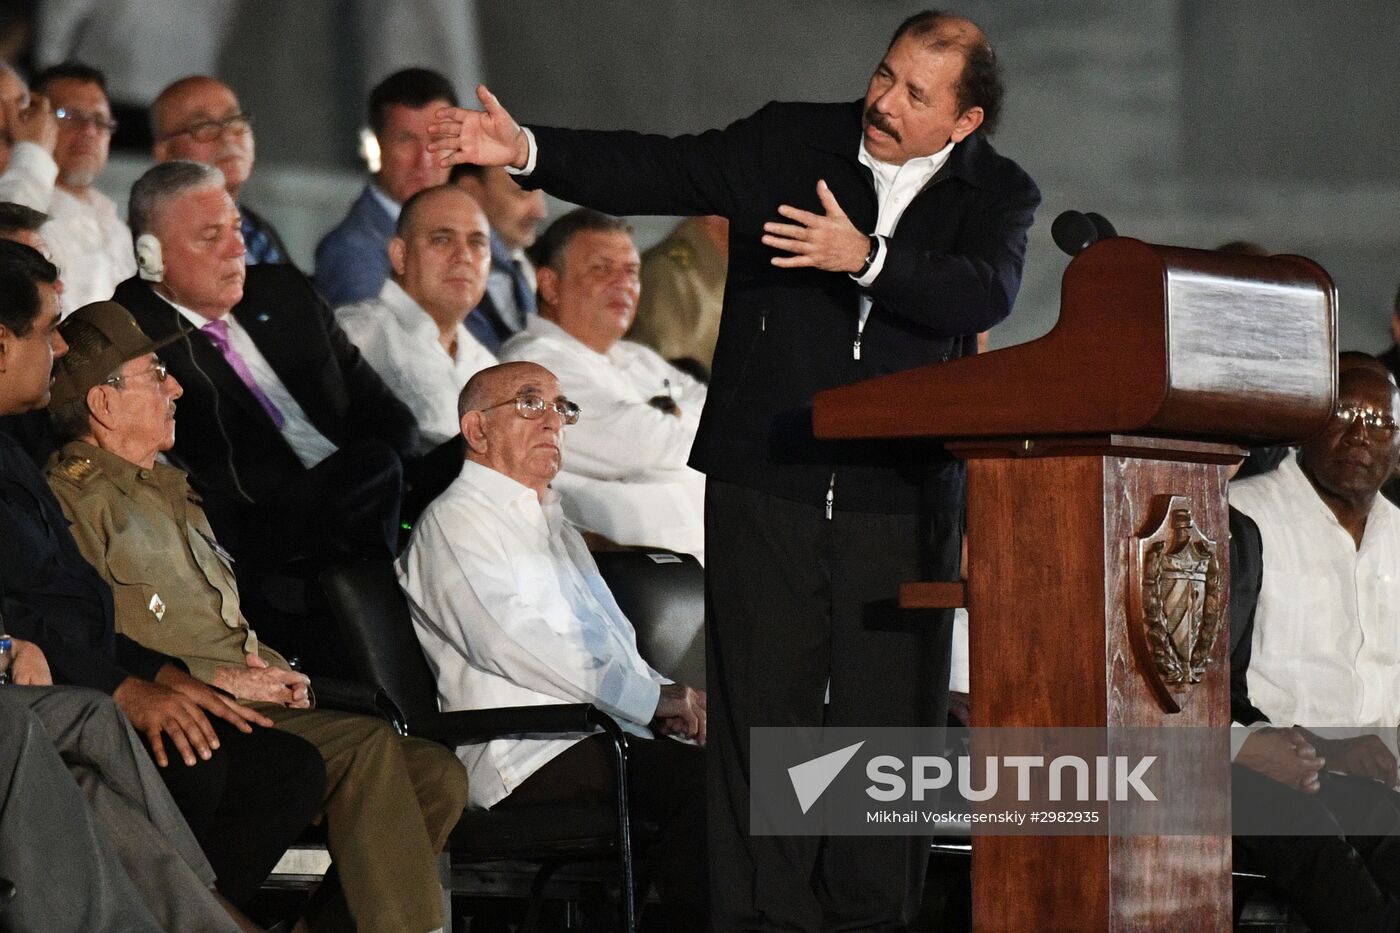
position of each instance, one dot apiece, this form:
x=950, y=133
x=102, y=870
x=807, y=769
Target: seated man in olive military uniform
x=391, y=801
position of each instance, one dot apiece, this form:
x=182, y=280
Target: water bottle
x=7, y=654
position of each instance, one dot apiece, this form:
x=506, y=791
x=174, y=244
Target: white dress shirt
x=625, y=474
x=398, y=338
x=306, y=441
x=91, y=246
x=1326, y=646
x=511, y=611
x=30, y=176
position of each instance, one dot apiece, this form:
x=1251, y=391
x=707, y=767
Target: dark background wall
x=1189, y=122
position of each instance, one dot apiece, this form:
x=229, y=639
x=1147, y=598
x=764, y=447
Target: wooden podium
x=1091, y=453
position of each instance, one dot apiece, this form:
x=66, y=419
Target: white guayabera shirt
x=1326, y=646
x=398, y=338
x=511, y=611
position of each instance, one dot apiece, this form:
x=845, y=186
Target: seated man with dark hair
x=390, y=801
x=90, y=242
x=291, y=438
x=627, y=477
x=511, y=611
x=31, y=429
x=1316, y=648
x=352, y=260
x=245, y=792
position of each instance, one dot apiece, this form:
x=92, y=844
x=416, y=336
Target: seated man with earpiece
x=291, y=439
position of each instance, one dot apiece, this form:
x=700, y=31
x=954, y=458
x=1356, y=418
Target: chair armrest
x=351, y=696
x=462, y=727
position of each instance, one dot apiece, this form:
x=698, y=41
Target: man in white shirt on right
x=627, y=478
x=413, y=333
x=1324, y=655
x=511, y=611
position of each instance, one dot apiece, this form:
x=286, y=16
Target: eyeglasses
x=1375, y=422
x=533, y=407
x=158, y=368
x=206, y=131
x=79, y=119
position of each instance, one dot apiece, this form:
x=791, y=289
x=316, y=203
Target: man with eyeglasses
x=91, y=244
x=292, y=439
x=627, y=478
x=390, y=800
x=511, y=611
x=199, y=118
x=1322, y=655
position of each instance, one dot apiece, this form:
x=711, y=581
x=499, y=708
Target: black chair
x=379, y=638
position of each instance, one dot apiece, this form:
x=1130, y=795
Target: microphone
x=1101, y=224
x=1074, y=232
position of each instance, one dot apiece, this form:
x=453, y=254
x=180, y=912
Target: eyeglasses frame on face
x=161, y=371
x=567, y=411
x=1374, y=422
x=206, y=131
x=96, y=121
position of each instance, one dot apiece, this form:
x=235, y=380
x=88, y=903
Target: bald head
x=494, y=383
x=521, y=442
x=1357, y=451
x=441, y=253
x=199, y=119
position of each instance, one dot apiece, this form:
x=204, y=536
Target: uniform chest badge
x=157, y=607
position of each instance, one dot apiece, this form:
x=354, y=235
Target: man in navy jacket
x=865, y=238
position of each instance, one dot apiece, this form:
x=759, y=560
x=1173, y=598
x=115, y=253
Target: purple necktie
x=217, y=332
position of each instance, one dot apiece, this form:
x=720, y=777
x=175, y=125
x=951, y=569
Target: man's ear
x=160, y=150
x=547, y=281
x=99, y=406
x=473, y=425
x=7, y=346
x=967, y=123
x=397, y=250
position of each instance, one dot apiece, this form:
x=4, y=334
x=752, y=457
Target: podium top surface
x=1151, y=340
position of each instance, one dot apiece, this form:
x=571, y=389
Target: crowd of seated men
x=189, y=434
x=221, y=427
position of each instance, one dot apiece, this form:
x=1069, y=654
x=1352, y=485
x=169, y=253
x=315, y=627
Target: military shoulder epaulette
x=76, y=471
x=681, y=254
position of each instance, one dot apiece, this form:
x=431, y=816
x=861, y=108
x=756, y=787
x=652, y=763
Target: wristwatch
x=870, y=256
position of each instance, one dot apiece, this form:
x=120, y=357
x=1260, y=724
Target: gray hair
x=162, y=184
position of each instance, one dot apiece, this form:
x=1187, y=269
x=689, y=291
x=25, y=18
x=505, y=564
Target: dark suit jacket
x=224, y=439
x=1246, y=576
x=953, y=269
x=351, y=260
x=51, y=595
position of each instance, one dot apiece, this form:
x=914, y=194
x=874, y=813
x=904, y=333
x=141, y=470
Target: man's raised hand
x=482, y=137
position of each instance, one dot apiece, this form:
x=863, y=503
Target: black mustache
x=877, y=119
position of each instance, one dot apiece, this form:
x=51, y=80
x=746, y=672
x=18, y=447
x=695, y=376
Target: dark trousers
x=794, y=600
x=1344, y=875
x=248, y=802
x=666, y=785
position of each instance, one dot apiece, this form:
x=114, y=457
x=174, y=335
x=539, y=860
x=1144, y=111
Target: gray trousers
x=89, y=835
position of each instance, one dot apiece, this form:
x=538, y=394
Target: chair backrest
x=663, y=594
x=378, y=632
